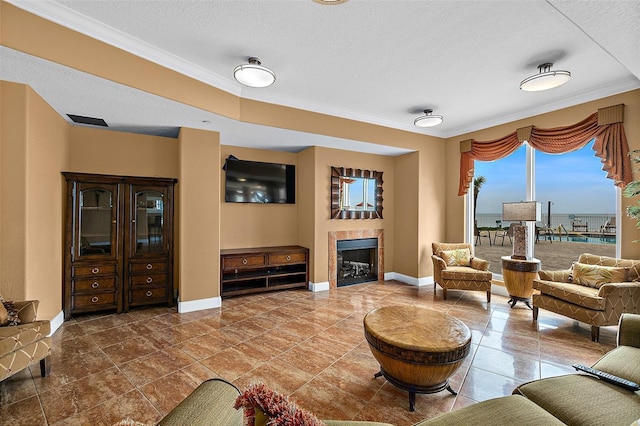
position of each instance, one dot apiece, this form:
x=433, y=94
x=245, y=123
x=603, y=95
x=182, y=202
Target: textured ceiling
x=371, y=60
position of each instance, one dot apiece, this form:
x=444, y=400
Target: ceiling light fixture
x=330, y=2
x=545, y=79
x=428, y=120
x=254, y=74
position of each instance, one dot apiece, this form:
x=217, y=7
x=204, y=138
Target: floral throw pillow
x=457, y=257
x=265, y=406
x=11, y=317
x=595, y=276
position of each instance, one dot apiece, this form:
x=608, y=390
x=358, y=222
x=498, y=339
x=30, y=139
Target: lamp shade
x=526, y=211
x=545, y=79
x=254, y=74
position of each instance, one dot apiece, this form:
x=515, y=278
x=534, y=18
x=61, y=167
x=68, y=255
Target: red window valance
x=606, y=126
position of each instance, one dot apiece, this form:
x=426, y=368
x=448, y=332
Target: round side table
x=418, y=349
x=518, y=277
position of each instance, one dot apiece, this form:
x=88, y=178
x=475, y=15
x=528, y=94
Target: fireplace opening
x=357, y=261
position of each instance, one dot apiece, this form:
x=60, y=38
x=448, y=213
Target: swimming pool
x=580, y=239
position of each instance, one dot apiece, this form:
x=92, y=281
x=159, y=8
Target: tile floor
x=308, y=345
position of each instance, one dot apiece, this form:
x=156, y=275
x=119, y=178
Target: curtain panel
x=606, y=126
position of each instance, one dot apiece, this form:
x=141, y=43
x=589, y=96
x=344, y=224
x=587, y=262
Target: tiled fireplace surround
x=335, y=236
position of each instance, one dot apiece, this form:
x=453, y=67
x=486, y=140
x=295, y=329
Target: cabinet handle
x=288, y=258
x=149, y=266
x=149, y=293
x=95, y=284
x=244, y=261
x=149, y=280
x=95, y=299
x=114, y=221
x=95, y=270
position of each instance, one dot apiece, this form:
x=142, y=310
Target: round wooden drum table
x=518, y=275
x=418, y=349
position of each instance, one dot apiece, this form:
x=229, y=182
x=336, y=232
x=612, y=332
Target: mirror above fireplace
x=356, y=194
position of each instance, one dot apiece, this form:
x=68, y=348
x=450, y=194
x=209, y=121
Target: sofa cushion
x=595, y=275
x=573, y=293
x=578, y=399
x=465, y=273
x=507, y=410
x=623, y=361
x=12, y=317
x=632, y=264
x=457, y=257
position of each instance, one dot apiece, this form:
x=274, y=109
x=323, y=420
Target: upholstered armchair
x=596, y=290
x=24, y=343
x=454, y=268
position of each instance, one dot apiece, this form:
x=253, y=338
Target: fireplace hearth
x=357, y=261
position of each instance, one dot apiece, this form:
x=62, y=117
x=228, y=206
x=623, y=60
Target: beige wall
x=198, y=218
x=34, y=148
x=563, y=117
x=95, y=150
x=256, y=225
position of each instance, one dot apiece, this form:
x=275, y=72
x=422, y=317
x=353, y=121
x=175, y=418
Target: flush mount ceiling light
x=254, y=74
x=330, y=2
x=428, y=120
x=545, y=79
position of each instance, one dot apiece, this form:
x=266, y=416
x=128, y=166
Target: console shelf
x=259, y=269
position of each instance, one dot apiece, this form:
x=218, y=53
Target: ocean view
x=591, y=222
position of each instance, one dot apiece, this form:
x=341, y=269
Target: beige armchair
x=452, y=272
x=25, y=343
x=594, y=295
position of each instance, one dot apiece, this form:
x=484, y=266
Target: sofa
x=573, y=399
x=23, y=339
x=455, y=268
x=596, y=290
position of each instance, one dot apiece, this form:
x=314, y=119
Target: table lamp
x=524, y=211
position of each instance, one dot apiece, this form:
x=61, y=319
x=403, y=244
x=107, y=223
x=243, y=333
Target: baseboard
x=418, y=282
x=315, y=287
x=199, y=305
x=56, y=322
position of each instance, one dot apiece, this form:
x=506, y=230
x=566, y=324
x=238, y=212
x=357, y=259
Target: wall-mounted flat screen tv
x=258, y=182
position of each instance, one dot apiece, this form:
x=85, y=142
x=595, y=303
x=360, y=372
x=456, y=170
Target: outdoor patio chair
x=609, y=227
x=502, y=233
x=480, y=234
x=577, y=225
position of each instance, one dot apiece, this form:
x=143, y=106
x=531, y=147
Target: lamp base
x=519, y=242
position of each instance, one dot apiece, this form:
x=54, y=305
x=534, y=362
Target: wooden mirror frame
x=336, y=212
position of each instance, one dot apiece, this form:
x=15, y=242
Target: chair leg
x=535, y=313
x=45, y=366
x=595, y=333
x=444, y=293
x=488, y=296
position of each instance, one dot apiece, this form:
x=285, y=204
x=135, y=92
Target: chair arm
x=629, y=330
x=480, y=264
x=437, y=260
x=27, y=310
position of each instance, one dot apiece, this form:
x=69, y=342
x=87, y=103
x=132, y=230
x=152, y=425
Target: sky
x=574, y=182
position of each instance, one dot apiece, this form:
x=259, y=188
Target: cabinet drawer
x=284, y=258
x=145, y=295
x=95, y=269
x=98, y=284
x=148, y=267
x=232, y=262
x=149, y=279
x=89, y=300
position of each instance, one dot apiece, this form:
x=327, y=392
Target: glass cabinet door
x=149, y=229
x=97, y=221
